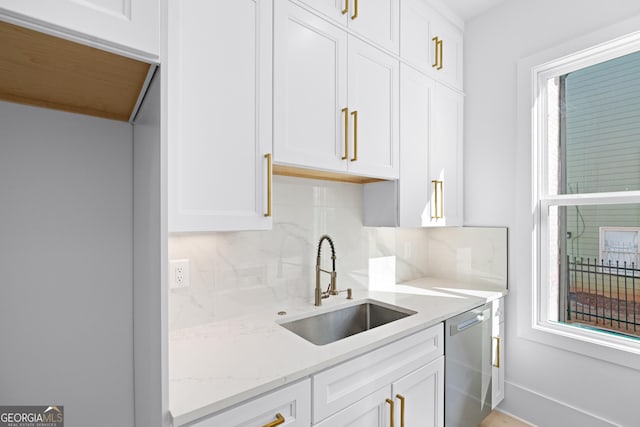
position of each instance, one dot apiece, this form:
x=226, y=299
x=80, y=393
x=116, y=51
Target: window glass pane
x=594, y=128
x=594, y=273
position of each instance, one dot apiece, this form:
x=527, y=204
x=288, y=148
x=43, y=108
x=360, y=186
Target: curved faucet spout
x=332, y=290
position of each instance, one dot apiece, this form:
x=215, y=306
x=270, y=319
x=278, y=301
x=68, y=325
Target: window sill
x=598, y=345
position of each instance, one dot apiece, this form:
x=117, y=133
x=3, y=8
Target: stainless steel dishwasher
x=468, y=368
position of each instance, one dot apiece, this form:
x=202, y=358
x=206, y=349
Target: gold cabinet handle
x=279, y=420
x=355, y=136
x=497, y=364
x=346, y=7
x=355, y=10
x=390, y=402
x=438, y=53
x=401, y=397
x=438, y=196
x=346, y=133
x=269, y=184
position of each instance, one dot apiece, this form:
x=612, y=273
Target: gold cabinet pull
x=438, y=51
x=355, y=136
x=401, y=397
x=269, y=184
x=346, y=7
x=346, y=133
x=279, y=420
x=497, y=364
x=391, y=412
x=355, y=10
x=438, y=196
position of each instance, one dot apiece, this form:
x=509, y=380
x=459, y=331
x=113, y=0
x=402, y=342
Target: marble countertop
x=223, y=363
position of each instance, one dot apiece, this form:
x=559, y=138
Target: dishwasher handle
x=468, y=323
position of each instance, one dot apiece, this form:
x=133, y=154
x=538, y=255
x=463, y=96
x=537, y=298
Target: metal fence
x=604, y=294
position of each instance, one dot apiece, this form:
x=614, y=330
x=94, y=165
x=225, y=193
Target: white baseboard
x=542, y=411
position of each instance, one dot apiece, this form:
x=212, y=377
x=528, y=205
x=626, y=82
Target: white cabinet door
x=431, y=43
x=310, y=89
x=423, y=394
x=219, y=117
x=374, y=97
x=429, y=191
x=291, y=404
x=132, y=24
x=497, y=372
x=445, y=158
x=416, y=97
x=334, y=9
x=370, y=411
x=377, y=21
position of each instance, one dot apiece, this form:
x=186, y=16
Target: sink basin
x=335, y=325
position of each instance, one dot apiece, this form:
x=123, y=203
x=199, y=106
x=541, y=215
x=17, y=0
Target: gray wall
x=66, y=321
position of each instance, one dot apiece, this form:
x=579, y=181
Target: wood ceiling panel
x=47, y=71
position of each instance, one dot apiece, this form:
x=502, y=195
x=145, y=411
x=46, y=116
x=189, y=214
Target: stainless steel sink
x=335, y=325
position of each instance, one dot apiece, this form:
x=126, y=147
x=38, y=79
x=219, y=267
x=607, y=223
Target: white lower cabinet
x=497, y=371
x=423, y=394
x=370, y=411
x=411, y=368
x=290, y=406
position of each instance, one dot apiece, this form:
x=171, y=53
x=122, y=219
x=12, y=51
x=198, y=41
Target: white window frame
x=534, y=72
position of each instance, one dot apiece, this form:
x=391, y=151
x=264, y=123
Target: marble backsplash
x=233, y=272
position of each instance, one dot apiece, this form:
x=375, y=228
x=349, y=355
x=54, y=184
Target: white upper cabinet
x=429, y=191
x=130, y=24
x=335, y=98
x=219, y=118
x=373, y=107
x=445, y=158
x=431, y=43
x=310, y=89
x=376, y=20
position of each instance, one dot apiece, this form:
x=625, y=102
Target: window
x=586, y=134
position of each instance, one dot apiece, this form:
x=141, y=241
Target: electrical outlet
x=178, y=273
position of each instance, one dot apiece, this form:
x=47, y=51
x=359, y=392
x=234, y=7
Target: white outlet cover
x=177, y=281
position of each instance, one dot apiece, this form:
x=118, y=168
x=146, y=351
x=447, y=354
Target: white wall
x=66, y=321
x=545, y=385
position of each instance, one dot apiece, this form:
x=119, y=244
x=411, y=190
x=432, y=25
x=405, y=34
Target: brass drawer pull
x=355, y=136
x=355, y=10
x=497, y=364
x=401, y=397
x=279, y=420
x=438, y=206
x=346, y=8
x=269, y=183
x=390, y=402
x=438, y=51
x=346, y=133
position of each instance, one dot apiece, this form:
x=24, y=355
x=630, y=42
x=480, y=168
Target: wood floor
x=498, y=419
